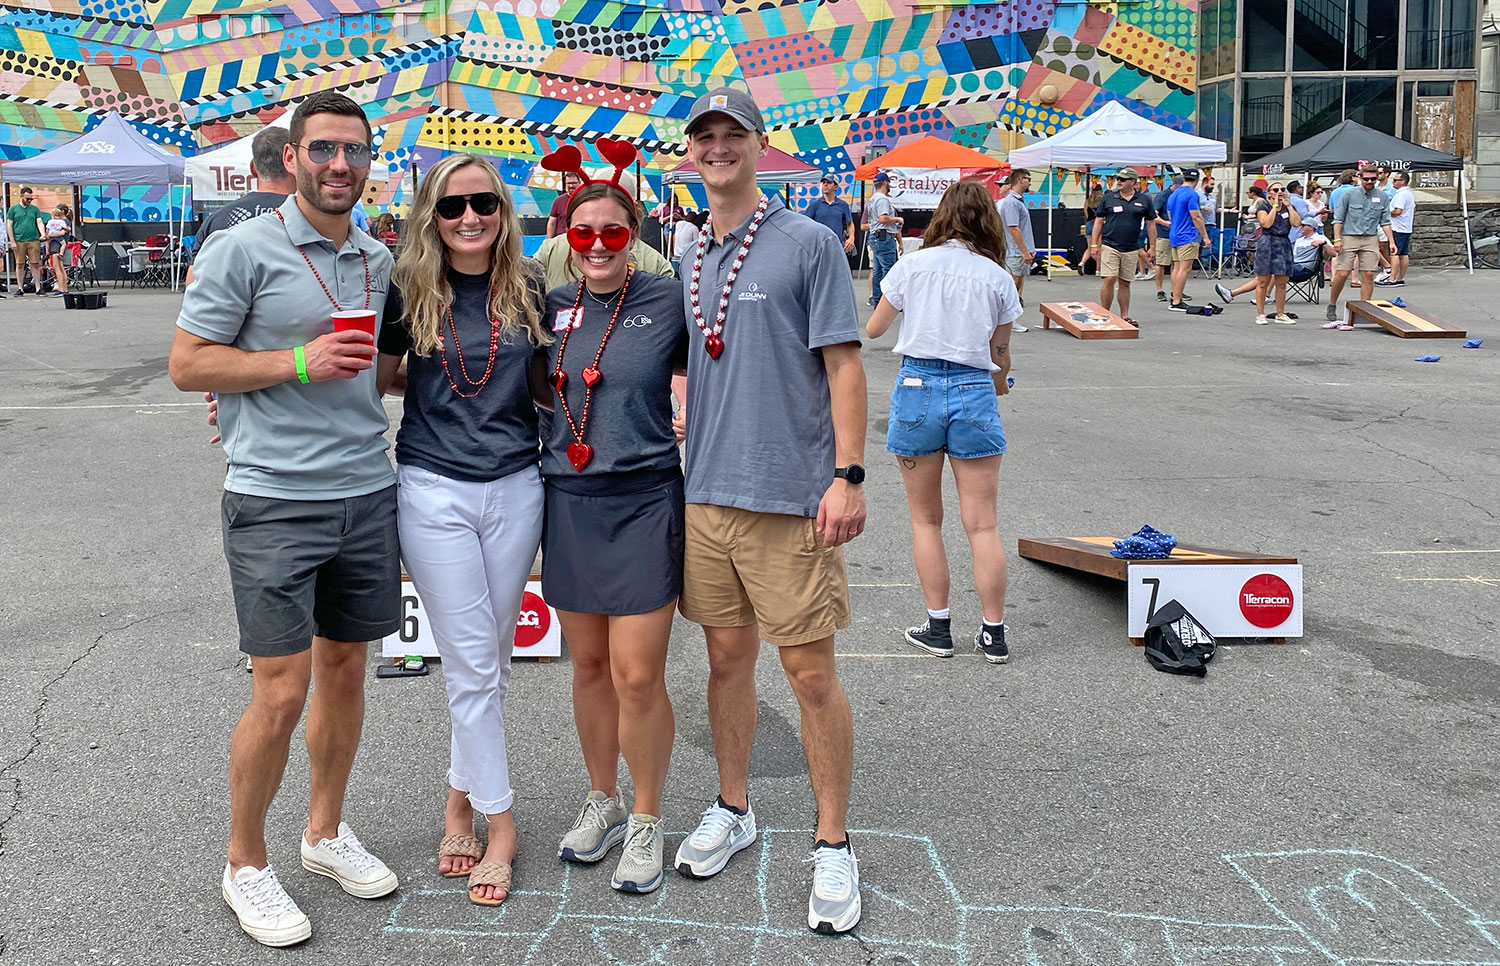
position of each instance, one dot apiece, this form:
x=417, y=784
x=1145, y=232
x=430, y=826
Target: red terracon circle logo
x=533, y=621
x=1266, y=600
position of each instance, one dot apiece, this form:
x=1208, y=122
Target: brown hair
x=325, y=102
x=967, y=213
x=602, y=190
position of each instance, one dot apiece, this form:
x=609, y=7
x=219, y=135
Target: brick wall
x=1438, y=234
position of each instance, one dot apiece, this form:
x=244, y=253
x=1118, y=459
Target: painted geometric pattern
x=513, y=79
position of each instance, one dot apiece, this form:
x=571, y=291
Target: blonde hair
x=421, y=271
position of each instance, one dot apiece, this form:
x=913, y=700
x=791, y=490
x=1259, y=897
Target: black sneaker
x=992, y=645
x=934, y=636
x=1177, y=307
x=1161, y=296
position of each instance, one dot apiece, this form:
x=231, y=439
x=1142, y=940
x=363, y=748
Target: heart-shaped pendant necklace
x=579, y=452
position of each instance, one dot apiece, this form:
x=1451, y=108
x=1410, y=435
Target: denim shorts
x=939, y=406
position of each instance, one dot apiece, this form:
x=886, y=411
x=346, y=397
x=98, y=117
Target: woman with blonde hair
x=959, y=303
x=465, y=312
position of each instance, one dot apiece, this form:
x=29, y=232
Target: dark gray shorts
x=613, y=547
x=299, y=568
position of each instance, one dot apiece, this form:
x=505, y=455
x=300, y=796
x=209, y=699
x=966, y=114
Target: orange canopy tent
x=931, y=152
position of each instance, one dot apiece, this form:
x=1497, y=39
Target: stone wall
x=1438, y=234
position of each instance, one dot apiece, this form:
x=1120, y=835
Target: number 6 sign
x=536, y=632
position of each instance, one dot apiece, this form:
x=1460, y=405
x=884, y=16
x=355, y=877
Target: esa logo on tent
x=96, y=147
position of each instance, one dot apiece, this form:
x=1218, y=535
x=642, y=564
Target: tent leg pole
x=1463, y=199
x=1051, y=203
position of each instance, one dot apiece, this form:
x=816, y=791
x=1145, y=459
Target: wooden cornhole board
x=1091, y=555
x=1408, y=323
x=1086, y=320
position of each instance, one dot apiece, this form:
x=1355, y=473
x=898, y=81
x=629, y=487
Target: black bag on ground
x=1177, y=643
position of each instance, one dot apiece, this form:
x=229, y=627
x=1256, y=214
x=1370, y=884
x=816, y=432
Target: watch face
x=854, y=473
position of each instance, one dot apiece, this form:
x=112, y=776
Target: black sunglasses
x=452, y=206
x=1370, y=180
x=357, y=155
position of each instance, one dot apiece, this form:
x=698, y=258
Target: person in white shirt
x=1403, y=210
x=685, y=233
x=1305, y=248
x=960, y=303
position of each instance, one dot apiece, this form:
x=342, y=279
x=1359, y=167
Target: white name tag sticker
x=1119, y=208
x=911, y=381
x=568, y=319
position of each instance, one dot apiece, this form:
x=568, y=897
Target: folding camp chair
x=1306, y=282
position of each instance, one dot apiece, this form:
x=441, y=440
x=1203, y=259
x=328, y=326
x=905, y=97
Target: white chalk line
x=1389, y=553
x=174, y=405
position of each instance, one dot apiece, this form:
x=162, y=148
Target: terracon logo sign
x=1266, y=600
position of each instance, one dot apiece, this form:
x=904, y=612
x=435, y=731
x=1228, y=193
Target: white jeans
x=468, y=548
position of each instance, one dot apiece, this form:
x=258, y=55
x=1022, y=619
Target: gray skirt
x=612, y=544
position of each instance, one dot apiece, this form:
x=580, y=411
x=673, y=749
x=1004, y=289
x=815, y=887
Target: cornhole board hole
x=1408, y=323
x=537, y=633
x=1087, y=320
x=1091, y=555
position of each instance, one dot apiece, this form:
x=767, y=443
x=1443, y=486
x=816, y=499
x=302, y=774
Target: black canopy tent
x=1350, y=144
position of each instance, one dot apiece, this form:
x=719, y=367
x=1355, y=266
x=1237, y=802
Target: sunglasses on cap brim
x=452, y=206
x=581, y=237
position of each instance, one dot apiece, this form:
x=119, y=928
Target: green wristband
x=299, y=355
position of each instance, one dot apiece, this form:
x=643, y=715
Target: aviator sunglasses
x=357, y=155
x=615, y=237
x=452, y=206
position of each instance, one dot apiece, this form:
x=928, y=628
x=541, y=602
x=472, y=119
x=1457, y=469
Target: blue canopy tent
x=112, y=153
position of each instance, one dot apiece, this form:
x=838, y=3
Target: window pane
x=1315, y=106
x=1265, y=34
x=1318, y=35
x=1372, y=35
x=1208, y=39
x=1261, y=102
x=1406, y=109
x=1423, y=29
x=1458, y=34
x=1372, y=102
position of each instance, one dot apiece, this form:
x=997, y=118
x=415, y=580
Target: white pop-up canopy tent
x=1113, y=136
x=223, y=174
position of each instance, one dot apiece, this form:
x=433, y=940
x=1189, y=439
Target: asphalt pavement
x=1332, y=799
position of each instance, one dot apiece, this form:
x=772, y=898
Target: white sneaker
x=1261, y=320
x=1284, y=319
x=266, y=913
x=1384, y=276
x=719, y=835
x=349, y=864
x=1018, y=327
x=639, y=869
x=599, y=827
x=834, y=904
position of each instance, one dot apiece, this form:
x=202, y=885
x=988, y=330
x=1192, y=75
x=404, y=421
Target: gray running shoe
x=1332, y=314
x=1223, y=293
x=833, y=906
x=719, y=835
x=600, y=826
x=640, y=861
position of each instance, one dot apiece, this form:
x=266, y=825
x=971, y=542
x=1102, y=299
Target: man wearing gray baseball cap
x=773, y=486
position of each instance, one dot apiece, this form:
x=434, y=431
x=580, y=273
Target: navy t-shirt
x=1124, y=220
x=630, y=414
x=835, y=214
x=478, y=439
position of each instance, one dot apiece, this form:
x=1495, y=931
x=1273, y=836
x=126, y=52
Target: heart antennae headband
x=569, y=160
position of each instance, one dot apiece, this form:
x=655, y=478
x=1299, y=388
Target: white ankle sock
x=941, y=615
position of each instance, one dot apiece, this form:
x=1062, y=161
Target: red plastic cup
x=361, y=319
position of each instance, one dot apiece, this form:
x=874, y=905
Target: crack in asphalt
x=1463, y=499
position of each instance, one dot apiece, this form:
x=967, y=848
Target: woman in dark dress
x=1273, y=253
x=612, y=540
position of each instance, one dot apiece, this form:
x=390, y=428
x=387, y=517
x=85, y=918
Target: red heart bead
x=713, y=345
x=559, y=380
x=591, y=377
x=579, y=455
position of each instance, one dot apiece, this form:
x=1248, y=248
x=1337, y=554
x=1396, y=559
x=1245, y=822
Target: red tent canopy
x=931, y=152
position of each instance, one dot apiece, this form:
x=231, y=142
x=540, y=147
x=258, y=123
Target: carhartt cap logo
x=718, y=100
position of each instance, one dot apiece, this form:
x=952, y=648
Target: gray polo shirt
x=253, y=290
x=1362, y=212
x=1015, y=214
x=760, y=422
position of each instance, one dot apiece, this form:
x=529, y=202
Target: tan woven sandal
x=453, y=846
x=491, y=873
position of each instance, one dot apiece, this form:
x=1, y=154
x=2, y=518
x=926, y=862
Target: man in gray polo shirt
x=775, y=428
x=309, y=507
x=1359, y=216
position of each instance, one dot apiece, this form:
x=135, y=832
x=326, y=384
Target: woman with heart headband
x=612, y=541
x=465, y=314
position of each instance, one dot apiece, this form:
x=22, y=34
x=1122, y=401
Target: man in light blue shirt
x=1299, y=203
x=1359, y=215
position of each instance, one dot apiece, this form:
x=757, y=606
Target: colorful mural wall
x=513, y=78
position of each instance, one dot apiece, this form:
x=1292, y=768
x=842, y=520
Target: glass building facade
x=1274, y=72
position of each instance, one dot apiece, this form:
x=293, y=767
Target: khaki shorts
x=1364, y=249
x=1163, y=252
x=28, y=252
x=741, y=567
x=1114, y=263
x=1185, y=253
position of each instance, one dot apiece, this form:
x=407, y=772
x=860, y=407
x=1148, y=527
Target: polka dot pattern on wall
x=14, y=61
x=781, y=55
x=614, y=43
x=992, y=19
x=1153, y=55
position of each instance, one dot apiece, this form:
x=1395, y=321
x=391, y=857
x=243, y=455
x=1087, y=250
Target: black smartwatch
x=854, y=473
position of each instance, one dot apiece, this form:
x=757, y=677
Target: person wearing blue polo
x=1184, y=210
x=833, y=211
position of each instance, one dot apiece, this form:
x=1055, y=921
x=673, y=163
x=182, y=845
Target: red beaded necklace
x=579, y=452
x=458, y=350
x=714, y=343
x=337, y=307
